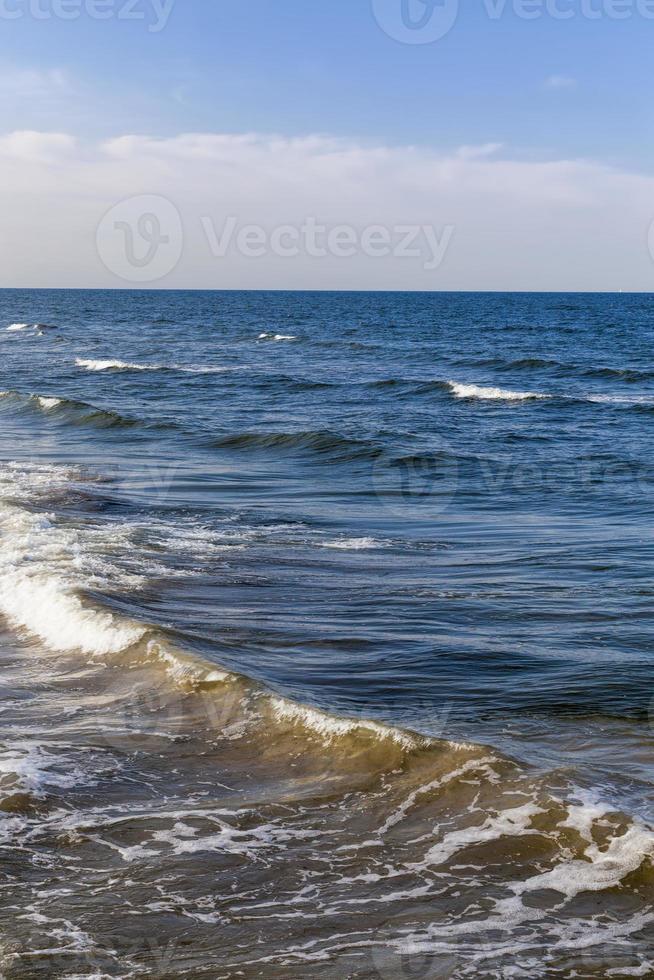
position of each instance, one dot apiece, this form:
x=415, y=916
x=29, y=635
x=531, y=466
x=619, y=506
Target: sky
x=354, y=144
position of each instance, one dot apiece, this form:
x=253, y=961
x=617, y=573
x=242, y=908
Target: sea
x=326, y=635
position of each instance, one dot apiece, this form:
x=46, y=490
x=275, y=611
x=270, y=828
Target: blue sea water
x=428, y=510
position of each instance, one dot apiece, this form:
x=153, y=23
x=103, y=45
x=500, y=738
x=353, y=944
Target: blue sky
x=299, y=66
x=517, y=143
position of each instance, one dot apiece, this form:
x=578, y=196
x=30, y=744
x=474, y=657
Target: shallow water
x=326, y=635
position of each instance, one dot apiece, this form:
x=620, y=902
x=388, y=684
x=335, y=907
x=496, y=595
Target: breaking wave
x=39, y=328
x=46, y=569
x=491, y=393
x=115, y=365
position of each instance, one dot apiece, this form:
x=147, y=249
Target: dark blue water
x=404, y=548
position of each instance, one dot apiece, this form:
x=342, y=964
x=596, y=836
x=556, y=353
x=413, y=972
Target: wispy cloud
x=30, y=83
x=29, y=146
x=477, y=152
x=560, y=82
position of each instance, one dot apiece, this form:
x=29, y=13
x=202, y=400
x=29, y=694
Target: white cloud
x=519, y=224
x=483, y=150
x=32, y=83
x=34, y=147
x=560, y=82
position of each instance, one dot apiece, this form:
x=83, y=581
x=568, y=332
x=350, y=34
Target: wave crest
x=89, y=364
x=320, y=441
x=481, y=392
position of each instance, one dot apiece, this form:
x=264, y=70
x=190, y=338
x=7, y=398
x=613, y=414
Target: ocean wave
x=629, y=375
x=530, y=363
x=45, y=570
x=331, y=728
x=440, y=775
x=47, y=566
x=78, y=412
x=473, y=391
x=40, y=570
x=240, y=700
x=319, y=441
x=399, y=814
x=39, y=328
x=116, y=365
x=94, y=365
x=631, y=401
x=47, y=608
x=478, y=392
x=48, y=403
x=83, y=413
x=517, y=364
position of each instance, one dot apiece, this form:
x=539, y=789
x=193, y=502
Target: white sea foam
x=42, y=565
x=507, y=823
x=48, y=403
x=583, y=815
x=621, y=399
x=29, y=481
x=491, y=393
x=185, y=669
x=29, y=767
x=17, y=327
x=46, y=564
x=331, y=727
x=602, y=867
x=201, y=369
x=519, y=920
x=276, y=336
x=115, y=365
x=351, y=544
x=473, y=765
x=184, y=838
x=45, y=607
x=109, y=365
